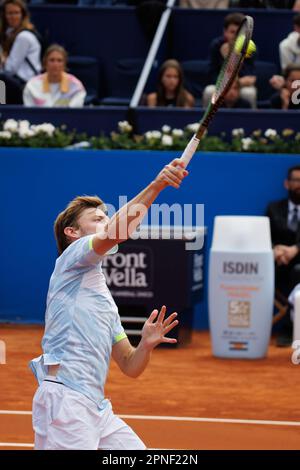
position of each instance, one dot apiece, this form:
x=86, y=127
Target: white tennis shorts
x=64, y=419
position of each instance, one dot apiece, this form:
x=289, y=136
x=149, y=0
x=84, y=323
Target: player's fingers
x=170, y=182
x=169, y=340
x=173, y=176
x=170, y=319
x=153, y=316
x=171, y=326
x=178, y=163
x=177, y=171
x=162, y=313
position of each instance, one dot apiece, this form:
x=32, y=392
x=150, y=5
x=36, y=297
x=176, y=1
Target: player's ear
x=71, y=232
x=286, y=184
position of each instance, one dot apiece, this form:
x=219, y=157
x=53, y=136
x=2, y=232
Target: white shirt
x=26, y=45
x=82, y=323
x=70, y=92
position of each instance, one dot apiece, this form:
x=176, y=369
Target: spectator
x=55, y=87
x=285, y=4
x=233, y=98
x=289, y=52
x=170, y=90
x=219, y=49
x=289, y=48
x=285, y=231
x=218, y=4
x=288, y=97
x=20, y=49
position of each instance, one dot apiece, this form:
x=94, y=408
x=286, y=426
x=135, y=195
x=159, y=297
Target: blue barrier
x=105, y=119
x=36, y=184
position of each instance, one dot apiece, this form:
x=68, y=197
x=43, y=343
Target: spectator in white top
x=20, y=49
x=289, y=48
x=289, y=51
x=55, y=87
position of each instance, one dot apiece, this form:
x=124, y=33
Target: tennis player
x=83, y=328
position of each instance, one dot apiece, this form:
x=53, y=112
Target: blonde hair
x=69, y=218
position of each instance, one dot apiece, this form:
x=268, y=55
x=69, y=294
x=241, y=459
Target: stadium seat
x=196, y=76
x=126, y=75
x=86, y=69
x=264, y=71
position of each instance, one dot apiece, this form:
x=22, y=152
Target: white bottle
x=241, y=287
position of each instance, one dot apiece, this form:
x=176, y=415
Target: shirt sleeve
x=77, y=101
x=18, y=53
x=80, y=254
x=27, y=97
x=118, y=330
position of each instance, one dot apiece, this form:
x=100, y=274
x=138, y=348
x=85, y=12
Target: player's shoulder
x=75, y=248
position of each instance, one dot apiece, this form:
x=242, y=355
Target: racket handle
x=189, y=150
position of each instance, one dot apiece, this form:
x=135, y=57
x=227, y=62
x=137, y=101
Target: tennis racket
x=227, y=75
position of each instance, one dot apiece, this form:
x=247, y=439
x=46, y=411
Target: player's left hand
x=153, y=332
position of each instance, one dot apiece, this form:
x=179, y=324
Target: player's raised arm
x=123, y=224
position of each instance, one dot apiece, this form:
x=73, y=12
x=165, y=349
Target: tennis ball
x=240, y=43
x=238, y=46
x=251, y=48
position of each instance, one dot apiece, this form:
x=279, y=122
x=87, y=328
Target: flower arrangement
x=23, y=134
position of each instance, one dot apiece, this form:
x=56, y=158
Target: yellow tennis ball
x=251, y=48
x=239, y=43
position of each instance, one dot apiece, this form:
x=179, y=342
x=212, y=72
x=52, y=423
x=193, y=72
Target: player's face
x=170, y=79
x=91, y=221
x=13, y=15
x=230, y=33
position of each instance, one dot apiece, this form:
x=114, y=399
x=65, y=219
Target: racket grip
x=189, y=150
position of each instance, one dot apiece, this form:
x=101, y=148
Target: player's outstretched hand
x=172, y=174
x=154, y=332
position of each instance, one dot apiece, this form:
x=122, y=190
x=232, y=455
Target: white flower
x=10, y=125
x=177, y=132
x=5, y=135
x=246, y=143
x=124, y=126
x=46, y=127
x=193, y=127
x=25, y=133
x=24, y=125
x=156, y=134
x=166, y=129
x=153, y=135
x=270, y=133
x=167, y=140
x=238, y=132
x=148, y=135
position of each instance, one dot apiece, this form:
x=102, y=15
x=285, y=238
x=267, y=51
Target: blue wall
x=36, y=184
